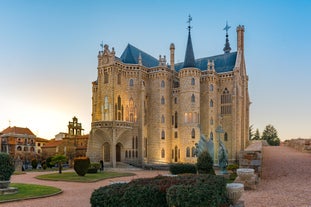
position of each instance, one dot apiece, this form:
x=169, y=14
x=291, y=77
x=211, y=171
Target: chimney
x=172, y=59
x=240, y=35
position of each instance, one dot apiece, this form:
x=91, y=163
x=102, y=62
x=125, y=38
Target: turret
x=240, y=35
x=172, y=59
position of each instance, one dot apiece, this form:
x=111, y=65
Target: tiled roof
x=52, y=143
x=223, y=63
x=17, y=130
x=38, y=139
x=131, y=54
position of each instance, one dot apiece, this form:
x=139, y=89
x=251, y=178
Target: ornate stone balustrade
x=112, y=124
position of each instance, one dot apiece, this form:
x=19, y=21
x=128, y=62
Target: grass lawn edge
x=85, y=181
x=33, y=197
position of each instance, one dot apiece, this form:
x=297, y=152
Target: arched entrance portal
x=106, y=152
x=118, y=152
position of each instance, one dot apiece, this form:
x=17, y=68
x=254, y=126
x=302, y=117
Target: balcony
x=112, y=124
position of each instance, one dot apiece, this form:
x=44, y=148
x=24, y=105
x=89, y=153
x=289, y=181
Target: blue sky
x=48, y=54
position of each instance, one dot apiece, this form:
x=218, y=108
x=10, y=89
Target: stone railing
x=251, y=157
x=302, y=145
x=110, y=124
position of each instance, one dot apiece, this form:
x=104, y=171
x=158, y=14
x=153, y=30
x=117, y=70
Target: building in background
x=72, y=144
x=19, y=143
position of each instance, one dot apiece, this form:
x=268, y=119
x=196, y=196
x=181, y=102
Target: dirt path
x=286, y=180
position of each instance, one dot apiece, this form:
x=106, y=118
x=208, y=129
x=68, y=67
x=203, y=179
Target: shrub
x=49, y=162
x=34, y=163
x=199, y=195
x=94, y=167
x=81, y=165
x=153, y=192
x=205, y=163
x=233, y=168
x=6, y=167
x=108, y=196
x=182, y=168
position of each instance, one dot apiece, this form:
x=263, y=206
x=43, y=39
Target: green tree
x=257, y=135
x=251, y=132
x=270, y=134
x=59, y=160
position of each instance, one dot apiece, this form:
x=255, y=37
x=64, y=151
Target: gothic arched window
x=162, y=153
x=193, y=98
x=162, y=84
x=211, y=103
x=192, y=81
x=192, y=133
x=188, y=152
x=162, y=100
x=226, y=136
x=131, y=82
x=163, y=134
x=211, y=135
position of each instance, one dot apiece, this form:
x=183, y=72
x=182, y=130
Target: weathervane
x=227, y=27
x=189, y=22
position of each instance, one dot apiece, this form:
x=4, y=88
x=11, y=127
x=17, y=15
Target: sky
x=48, y=54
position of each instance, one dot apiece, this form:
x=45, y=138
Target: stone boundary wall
x=300, y=144
x=251, y=157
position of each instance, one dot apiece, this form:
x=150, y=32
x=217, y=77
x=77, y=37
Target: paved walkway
x=286, y=182
x=74, y=194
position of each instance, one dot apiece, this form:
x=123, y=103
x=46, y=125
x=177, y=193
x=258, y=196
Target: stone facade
x=145, y=111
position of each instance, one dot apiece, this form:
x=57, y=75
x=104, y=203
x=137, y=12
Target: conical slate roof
x=189, y=56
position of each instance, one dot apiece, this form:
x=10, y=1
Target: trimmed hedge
x=161, y=191
x=205, y=163
x=182, y=168
x=94, y=167
x=6, y=166
x=81, y=165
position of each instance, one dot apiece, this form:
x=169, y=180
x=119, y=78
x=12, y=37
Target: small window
x=226, y=136
x=162, y=153
x=211, y=135
x=162, y=100
x=212, y=121
x=162, y=84
x=211, y=103
x=193, y=98
x=175, y=100
x=193, y=152
x=211, y=87
x=188, y=152
x=163, y=134
x=162, y=119
x=192, y=81
x=131, y=82
x=176, y=134
x=193, y=133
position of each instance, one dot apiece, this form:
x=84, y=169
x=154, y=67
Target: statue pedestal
x=5, y=189
x=247, y=177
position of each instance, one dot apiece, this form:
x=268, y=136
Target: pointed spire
x=227, y=47
x=189, y=56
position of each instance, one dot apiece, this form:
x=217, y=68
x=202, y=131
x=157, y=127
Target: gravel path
x=286, y=182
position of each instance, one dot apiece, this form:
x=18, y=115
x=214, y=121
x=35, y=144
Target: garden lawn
x=89, y=177
x=28, y=191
